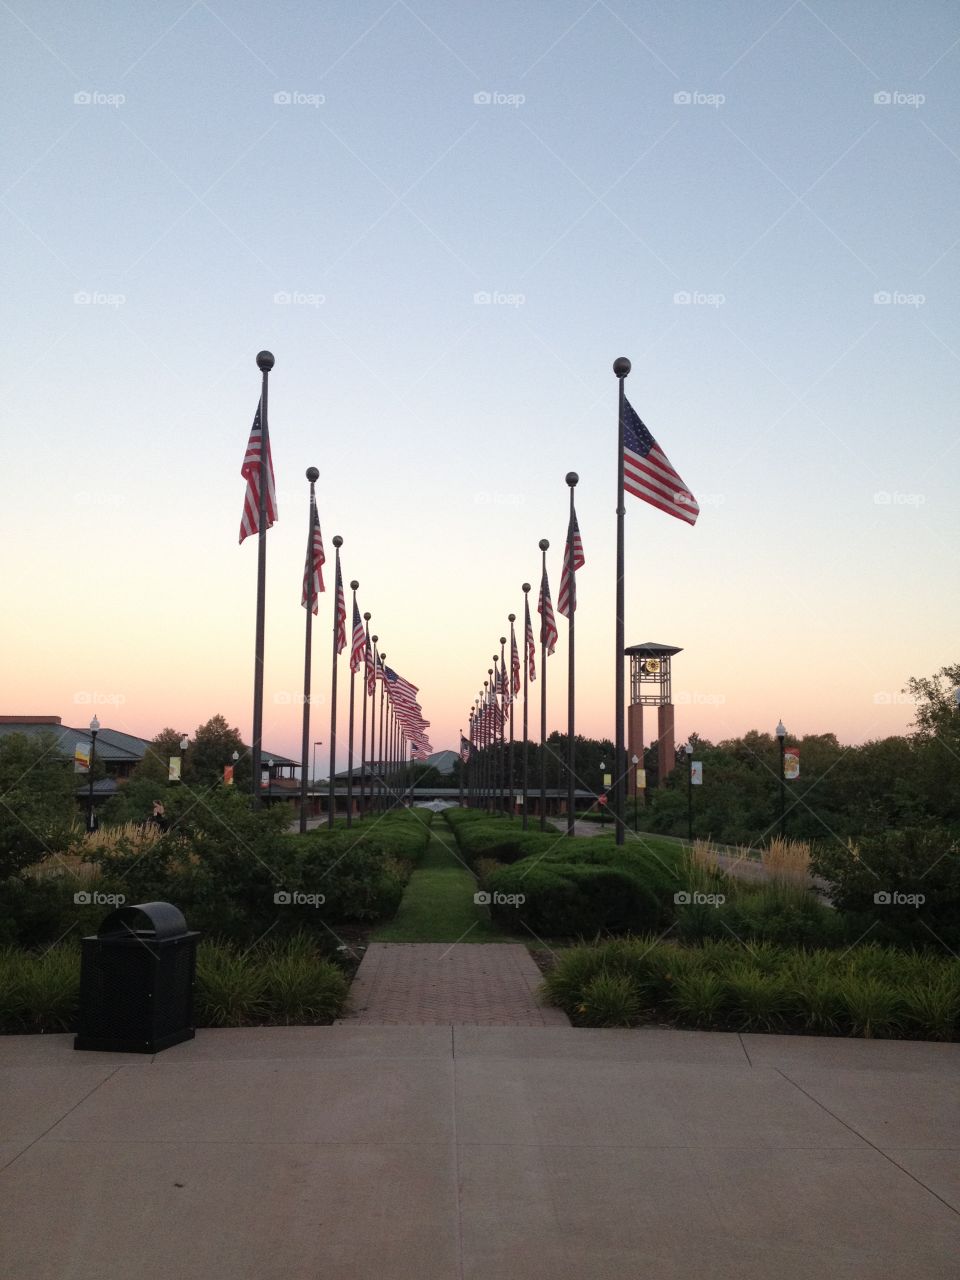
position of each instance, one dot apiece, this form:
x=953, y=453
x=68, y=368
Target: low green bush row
x=868, y=991
x=272, y=984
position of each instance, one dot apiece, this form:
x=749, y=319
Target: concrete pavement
x=491, y=1153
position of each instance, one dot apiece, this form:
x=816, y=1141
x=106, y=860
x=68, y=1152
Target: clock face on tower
x=650, y=666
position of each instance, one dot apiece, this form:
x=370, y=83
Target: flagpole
x=331, y=801
x=621, y=367
x=504, y=694
x=265, y=363
x=572, y=479
x=544, y=546
x=511, y=618
x=363, y=730
x=312, y=475
x=381, y=797
x=526, y=672
x=353, y=678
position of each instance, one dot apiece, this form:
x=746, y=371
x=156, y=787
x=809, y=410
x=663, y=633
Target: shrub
x=873, y=1007
x=230, y=987
x=610, y=1000
x=39, y=992
x=758, y=1001
x=900, y=865
x=699, y=997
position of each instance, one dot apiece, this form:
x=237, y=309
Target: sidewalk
x=483, y=1153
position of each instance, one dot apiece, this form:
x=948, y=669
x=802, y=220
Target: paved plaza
x=491, y=1153
x=437, y=984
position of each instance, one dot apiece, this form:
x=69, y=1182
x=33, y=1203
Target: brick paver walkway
x=434, y=983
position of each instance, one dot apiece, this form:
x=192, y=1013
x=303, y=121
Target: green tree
x=211, y=748
x=38, y=803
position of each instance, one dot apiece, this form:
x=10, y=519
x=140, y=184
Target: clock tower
x=650, y=687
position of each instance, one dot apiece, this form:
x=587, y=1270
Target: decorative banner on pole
x=607, y=779
x=641, y=779
x=81, y=758
x=265, y=778
x=791, y=763
x=173, y=772
x=696, y=773
x=228, y=775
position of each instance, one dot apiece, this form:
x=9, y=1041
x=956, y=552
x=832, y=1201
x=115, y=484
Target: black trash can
x=136, y=981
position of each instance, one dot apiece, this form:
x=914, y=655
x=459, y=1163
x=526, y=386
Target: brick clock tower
x=650, y=687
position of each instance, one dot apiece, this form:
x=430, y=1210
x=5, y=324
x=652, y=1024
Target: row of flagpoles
x=398, y=724
x=644, y=471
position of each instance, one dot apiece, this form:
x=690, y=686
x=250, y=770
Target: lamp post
x=603, y=807
x=184, y=743
x=94, y=730
x=689, y=750
x=781, y=735
x=635, y=760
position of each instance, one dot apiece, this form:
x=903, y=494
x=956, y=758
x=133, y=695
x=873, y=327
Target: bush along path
x=421, y=968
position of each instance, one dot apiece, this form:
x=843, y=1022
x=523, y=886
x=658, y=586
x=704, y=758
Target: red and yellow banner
x=791, y=763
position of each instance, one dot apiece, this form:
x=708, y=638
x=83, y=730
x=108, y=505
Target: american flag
x=466, y=749
x=503, y=686
x=514, y=662
x=548, y=623
x=359, y=640
x=648, y=473
x=572, y=561
x=370, y=669
x=250, y=520
x=528, y=640
x=315, y=559
x=341, y=612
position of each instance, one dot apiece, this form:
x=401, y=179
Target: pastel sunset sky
x=446, y=221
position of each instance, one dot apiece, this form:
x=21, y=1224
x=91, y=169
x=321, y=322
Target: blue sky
x=784, y=166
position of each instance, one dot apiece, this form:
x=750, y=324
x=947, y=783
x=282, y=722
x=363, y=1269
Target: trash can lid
x=166, y=920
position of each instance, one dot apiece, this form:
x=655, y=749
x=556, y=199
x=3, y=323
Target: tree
x=38, y=788
x=212, y=747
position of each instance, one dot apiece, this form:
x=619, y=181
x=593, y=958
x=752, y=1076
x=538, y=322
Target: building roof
x=650, y=649
x=112, y=744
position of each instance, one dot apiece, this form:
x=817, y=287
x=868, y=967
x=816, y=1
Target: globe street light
x=184, y=743
x=94, y=730
x=781, y=733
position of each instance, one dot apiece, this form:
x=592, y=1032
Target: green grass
x=438, y=903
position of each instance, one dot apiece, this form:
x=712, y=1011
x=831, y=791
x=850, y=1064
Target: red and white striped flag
x=572, y=561
x=514, y=662
x=370, y=669
x=529, y=642
x=548, y=623
x=250, y=520
x=359, y=640
x=341, y=612
x=649, y=474
x=314, y=561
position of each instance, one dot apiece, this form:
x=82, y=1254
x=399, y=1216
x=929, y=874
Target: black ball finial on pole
x=313, y=475
x=622, y=366
x=367, y=617
x=375, y=639
x=544, y=544
x=503, y=639
x=572, y=478
x=526, y=587
x=354, y=584
x=265, y=362
x=337, y=540
x=511, y=617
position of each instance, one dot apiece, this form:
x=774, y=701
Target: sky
x=446, y=221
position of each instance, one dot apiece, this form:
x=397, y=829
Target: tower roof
x=650, y=649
